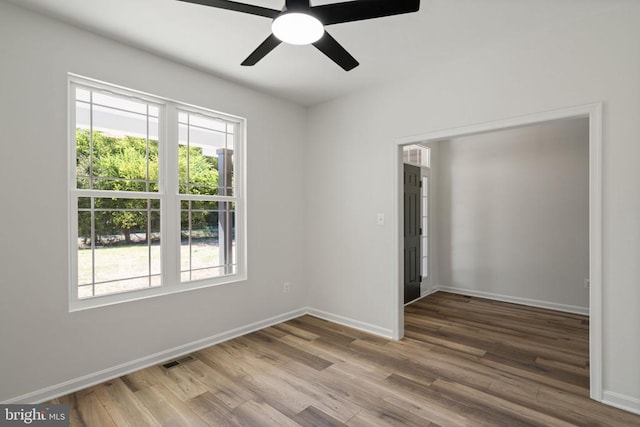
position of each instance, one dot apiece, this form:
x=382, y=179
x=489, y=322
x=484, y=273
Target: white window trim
x=168, y=195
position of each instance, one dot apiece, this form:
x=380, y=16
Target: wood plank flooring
x=464, y=362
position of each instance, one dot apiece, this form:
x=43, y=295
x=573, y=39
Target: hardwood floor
x=464, y=362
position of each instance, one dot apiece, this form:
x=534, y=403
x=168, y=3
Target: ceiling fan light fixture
x=297, y=28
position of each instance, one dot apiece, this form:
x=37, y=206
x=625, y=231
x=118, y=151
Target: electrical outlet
x=587, y=283
x=286, y=287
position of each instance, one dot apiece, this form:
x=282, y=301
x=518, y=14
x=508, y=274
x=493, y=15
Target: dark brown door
x=412, y=256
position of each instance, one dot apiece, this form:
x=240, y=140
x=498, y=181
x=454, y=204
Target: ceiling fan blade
x=238, y=7
x=330, y=47
x=261, y=51
x=349, y=11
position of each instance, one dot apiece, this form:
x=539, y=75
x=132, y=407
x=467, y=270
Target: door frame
x=591, y=111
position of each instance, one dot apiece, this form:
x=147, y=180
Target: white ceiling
x=217, y=41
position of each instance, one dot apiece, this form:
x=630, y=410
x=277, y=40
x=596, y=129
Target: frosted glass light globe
x=297, y=28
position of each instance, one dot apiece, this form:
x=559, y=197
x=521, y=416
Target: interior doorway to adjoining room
x=592, y=116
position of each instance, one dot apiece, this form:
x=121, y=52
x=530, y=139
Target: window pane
x=83, y=147
x=116, y=143
x=152, y=172
x=119, y=102
x=205, y=244
x=207, y=240
x=206, y=138
x=209, y=123
x=154, y=244
x=123, y=286
x=230, y=141
x=118, y=123
x=83, y=94
x=84, y=203
x=85, y=291
x=85, y=253
x=83, y=115
x=114, y=263
x=118, y=245
x=425, y=267
x=198, y=170
x=205, y=155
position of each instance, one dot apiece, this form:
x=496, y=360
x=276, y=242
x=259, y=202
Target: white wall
x=514, y=213
x=41, y=343
x=351, y=263
x=348, y=262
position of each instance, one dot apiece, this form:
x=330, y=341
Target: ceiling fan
x=300, y=23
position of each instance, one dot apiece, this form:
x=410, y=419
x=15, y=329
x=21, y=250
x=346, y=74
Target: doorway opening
x=591, y=112
x=417, y=221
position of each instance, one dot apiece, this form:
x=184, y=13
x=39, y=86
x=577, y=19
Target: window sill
x=136, y=295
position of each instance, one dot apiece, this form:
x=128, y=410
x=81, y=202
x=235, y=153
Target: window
x=417, y=155
x=156, y=195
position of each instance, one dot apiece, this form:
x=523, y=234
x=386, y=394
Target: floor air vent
x=178, y=362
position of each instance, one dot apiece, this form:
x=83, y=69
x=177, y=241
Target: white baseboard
x=422, y=295
x=92, y=379
x=355, y=324
x=428, y=292
x=621, y=401
x=516, y=300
